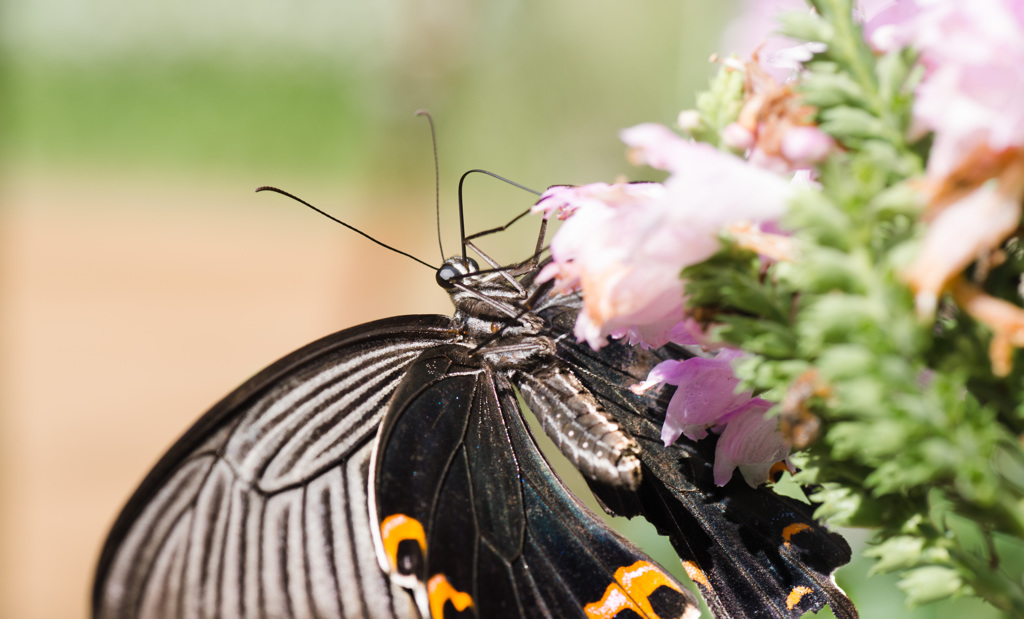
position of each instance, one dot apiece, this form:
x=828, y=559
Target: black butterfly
x=387, y=471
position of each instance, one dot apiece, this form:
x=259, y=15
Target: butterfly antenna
x=350, y=227
x=477, y=235
x=462, y=217
x=437, y=179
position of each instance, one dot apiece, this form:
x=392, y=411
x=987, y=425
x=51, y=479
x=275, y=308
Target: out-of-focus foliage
x=920, y=438
x=330, y=88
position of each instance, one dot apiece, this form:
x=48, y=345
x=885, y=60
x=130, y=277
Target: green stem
x=849, y=49
x=990, y=584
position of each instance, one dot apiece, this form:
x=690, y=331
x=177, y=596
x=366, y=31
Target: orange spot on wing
x=614, y=601
x=397, y=528
x=777, y=470
x=632, y=587
x=696, y=574
x=792, y=530
x=439, y=591
x=796, y=595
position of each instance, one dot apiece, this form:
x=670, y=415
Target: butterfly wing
x=457, y=470
x=752, y=552
x=260, y=509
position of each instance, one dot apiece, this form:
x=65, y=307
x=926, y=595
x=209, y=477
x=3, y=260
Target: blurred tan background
x=141, y=277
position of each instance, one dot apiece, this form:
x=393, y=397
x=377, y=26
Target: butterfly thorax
x=492, y=319
x=504, y=333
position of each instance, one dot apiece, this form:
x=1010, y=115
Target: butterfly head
x=454, y=269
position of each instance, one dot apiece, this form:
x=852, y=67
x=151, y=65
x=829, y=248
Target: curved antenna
x=336, y=220
x=437, y=179
x=462, y=217
x=477, y=235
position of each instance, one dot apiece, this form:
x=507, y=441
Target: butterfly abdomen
x=582, y=430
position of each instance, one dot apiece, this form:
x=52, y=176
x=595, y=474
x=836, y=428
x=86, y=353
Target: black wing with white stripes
x=260, y=509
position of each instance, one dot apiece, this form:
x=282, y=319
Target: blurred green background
x=142, y=279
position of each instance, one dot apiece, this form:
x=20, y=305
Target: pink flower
x=613, y=250
x=806, y=145
x=972, y=100
x=965, y=226
x=708, y=188
x=706, y=394
x=883, y=30
x=563, y=200
x=624, y=245
x=755, y=30
x=706, y=399
x=973, y=91
x=750, y=442
x=774, y=126
x=738, y=137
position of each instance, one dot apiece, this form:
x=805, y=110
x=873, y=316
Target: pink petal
x=973, y=53
x=737, y=137
x=667, y=371
x=656, y=145
x=884, y=30
x=750, y=442
x=705, y=396
x=625, y=244
x=959, y=234
x=688, y=332
x=754, y=30
x=804, y=146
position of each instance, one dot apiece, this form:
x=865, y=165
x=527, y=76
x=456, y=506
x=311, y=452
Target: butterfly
x=387, y=471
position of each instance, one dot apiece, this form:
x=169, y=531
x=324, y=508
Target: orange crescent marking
x=614, y=601
x=640, y=580
x=775, y=473
x=439, y=591
x=630, y=590
x=696, y=574
x=397, y=528
x=796, y=595
x=792, y=530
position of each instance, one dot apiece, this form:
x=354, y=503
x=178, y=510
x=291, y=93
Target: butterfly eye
x=446, y=274
x=453, y=269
